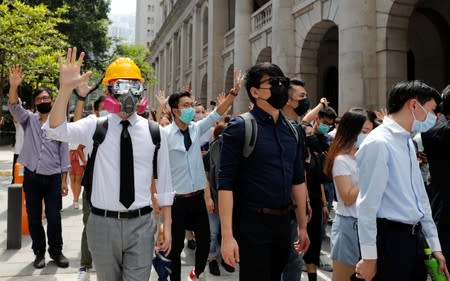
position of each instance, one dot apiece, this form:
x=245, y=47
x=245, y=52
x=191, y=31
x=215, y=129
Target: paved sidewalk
x=17, y=264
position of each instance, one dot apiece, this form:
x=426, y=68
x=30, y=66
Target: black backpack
x=251, y=131
x=99, y=137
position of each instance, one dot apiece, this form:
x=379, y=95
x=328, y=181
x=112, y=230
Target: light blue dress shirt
x=187, y=170
x=391, y=186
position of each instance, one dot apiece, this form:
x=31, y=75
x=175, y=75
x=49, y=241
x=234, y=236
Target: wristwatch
x=80, y=98
x=233, y=92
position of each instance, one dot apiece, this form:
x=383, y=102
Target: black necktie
x=187, y=139
x=126, y=166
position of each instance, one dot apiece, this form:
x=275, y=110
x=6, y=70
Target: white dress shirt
x=391, y=186
x=188, y=171
x=106, y=177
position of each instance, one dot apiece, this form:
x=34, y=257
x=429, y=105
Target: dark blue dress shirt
x=265, y=178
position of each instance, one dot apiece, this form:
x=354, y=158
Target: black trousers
x=264, y=245
x=48, y=188
x=189, y=213
x=400, y=253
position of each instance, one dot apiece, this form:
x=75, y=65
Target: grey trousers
x=122, y=249
x=86, y=258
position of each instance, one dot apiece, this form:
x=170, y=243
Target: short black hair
x=446, y=101
x=406, y=90
x=175, y=98
x=38, y=91
x=327, y=112
x=255, y=74
x=98, y=101
x=297, y=82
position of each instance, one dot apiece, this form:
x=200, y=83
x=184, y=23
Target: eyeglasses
x=43, y=99
x=186, y=105
x=122, y=87
x=277, y=81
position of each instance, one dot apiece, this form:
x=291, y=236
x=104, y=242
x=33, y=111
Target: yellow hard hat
x=122, y=68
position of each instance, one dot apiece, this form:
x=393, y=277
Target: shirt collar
x=261, y=114
x=394, y=127
x=116, y=119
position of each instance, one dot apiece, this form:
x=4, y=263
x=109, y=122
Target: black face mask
x=302, y=108
x=279, y=92
x=44, y=107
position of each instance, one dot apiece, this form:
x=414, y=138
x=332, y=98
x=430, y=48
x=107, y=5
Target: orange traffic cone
x=18, y=178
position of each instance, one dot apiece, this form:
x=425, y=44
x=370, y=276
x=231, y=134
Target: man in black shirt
x=256, y=192
x=436, y=143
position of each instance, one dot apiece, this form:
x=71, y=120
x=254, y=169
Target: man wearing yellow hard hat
x=119, y=229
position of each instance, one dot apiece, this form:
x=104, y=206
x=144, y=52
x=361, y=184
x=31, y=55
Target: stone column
x=173, y=78
x=357, y=54
x=183, y=54
x=216, y=30
x=162, y=69
x=283, y=36
x=242, y=47
x=196, y=48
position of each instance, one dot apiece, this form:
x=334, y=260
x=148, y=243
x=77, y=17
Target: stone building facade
x=350, y=51
x=148, y=20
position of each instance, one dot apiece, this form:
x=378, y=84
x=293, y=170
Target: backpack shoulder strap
x=98, y=137
x=291, y=126
x=100, y=132
x=251, y=132
x=156, y=138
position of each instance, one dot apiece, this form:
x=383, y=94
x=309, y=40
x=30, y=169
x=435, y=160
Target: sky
x=123, y=7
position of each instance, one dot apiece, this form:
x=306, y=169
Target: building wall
x=148, y=20
x=350, y=51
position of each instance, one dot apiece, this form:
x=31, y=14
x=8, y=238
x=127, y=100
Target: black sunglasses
x=278, y=81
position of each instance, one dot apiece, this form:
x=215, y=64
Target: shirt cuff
x=369, y=252
x=215, y=115
x=435, y=245
x=165, y=199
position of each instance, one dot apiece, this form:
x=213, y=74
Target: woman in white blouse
x=341, y=166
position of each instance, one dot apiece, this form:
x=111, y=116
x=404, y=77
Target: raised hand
x=381, y=114
x=238, y=77
x=186, y=88
x=324, y=101
x=15, y=76
x=220, y=98
x=69, y=71
x=161, y=97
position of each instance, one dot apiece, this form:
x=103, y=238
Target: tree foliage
x=86, y=27
x=140, y=55
x=29, y=37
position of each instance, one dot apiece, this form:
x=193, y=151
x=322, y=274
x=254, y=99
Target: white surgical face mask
x=102, y=113
x=425, y=125
x=360, y=139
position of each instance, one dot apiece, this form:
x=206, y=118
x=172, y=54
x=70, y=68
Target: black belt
x=273, y=212
x=187, y=195
x=412, y=229
x=121, y=215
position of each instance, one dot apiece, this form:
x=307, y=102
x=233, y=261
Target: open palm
x=15, y=76
x=69, y=70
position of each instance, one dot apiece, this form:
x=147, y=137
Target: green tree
x=86, y=27
x=28, y=37
x=140, y=54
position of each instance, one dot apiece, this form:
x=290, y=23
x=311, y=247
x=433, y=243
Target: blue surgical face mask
x=187, y=115
x=425, y=125
x=360, y=139
x=323, y=128
x=102, y=113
